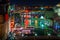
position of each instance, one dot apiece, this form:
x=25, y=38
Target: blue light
x=56, y=25
x=41, y=8
x=41, y=17
x=42, y=26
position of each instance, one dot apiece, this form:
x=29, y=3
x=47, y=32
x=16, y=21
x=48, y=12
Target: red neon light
x=26, y=23
x=26, y=11
x=6, y=17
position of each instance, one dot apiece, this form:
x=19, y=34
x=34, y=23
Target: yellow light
x=36, y=23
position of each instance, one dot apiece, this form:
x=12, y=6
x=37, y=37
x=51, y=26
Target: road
x=37, y=38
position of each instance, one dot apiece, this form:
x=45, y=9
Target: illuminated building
x=38, y=19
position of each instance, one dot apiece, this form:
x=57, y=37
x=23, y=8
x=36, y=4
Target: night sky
x=35, y=2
